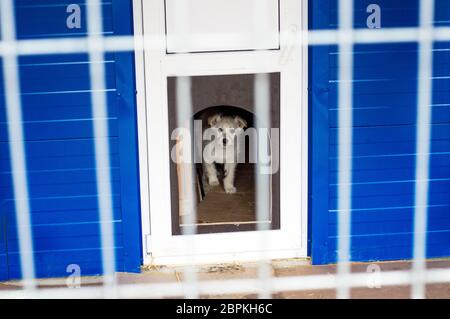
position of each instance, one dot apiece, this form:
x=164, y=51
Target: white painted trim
x=142, y=126
x=198, y=16
x=153, y=128
x=305, y=123
x=249, y=256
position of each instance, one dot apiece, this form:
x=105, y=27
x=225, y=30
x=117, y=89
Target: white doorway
x=175, y=47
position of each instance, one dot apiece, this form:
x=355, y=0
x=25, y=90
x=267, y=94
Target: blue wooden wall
x=384, y=141
x=60, y=155
x=57, y=122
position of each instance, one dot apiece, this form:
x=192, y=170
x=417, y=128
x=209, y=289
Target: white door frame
x=152, y=67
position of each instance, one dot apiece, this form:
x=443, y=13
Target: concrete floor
x=280, y=268
x=219, y=207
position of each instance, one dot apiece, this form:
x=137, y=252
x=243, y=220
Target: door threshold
x=225, y=258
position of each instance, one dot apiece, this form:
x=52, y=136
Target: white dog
x=223, y=149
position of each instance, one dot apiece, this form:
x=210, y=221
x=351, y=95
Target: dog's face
x=226, y=129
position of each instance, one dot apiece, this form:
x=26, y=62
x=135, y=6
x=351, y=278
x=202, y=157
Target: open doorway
x=218, y=210
x=217, y=74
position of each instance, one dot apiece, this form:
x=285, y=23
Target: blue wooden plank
x=56, y=204
x=375, y=87
x=390, y=115
x=392, y=226
x=401, y=187
x=56, y=130
x=70, y=216
x=4, y=264
x=435, y=214
x=376, y=149
x=393, y=54
x=442, y=13
x=59, y=148
x=54, y=263
x=399, y=148
x=362, y=242
x=391, y=133
x=394, y=252
x=53, y=163
x=384, y=201
x=392, y=161
x=126, y=101
x=33, y=20
x=390, y=174
x=393, y=246
x=69, y=189
x=72, y=189
x=60, y=78
x=63, y=99
x=32, y=3
x=62, y=177
x=318, y=136
x=399, y=13
x=68, y=235
x=67, y=244
x=4, y=270
x=49, y=113
x=57, y=245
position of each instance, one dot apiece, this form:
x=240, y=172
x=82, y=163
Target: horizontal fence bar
x=128, y=43
x=247, y=286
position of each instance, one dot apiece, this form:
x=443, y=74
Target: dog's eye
x=220, y=130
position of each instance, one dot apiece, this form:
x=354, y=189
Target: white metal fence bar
x=345, y=140
x=189, y=218
x=127, y=43
x=423, y=145
x=184, y=114
x=262, y=99
x=101, y=143
x=231, y=286
x=17, y=145
x=262, y=178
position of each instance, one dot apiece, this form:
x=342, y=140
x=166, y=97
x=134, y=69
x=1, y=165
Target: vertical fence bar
x=262, y=177
x=423, y=145
x=262, y=117
x=16, y=143
x=184, y=121
x=184, y=116
x=101, y=144
x=345, y=140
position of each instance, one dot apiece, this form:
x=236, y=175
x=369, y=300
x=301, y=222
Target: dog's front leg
x=228, y=181
x=211, y=174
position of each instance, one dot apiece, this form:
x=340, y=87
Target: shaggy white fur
x=224, y=148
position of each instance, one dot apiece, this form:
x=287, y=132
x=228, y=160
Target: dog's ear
x=213, y=120
x=240, y=122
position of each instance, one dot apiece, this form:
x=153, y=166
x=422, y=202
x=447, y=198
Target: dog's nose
x=224, y=141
